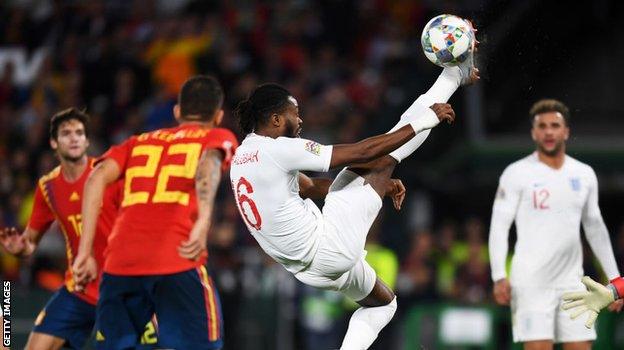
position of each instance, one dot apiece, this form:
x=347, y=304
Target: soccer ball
x=447, y=40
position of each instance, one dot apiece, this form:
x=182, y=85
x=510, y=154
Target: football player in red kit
x=68, y=318
x=157, y=250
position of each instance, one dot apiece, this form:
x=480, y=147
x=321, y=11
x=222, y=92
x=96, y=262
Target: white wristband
x=426, y=119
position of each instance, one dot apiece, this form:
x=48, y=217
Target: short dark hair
x=71, y=113
x=264, y=100
x=550, y=105
x=201, y=96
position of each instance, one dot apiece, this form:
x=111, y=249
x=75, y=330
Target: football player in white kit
x=325, y=249
x=548, y=194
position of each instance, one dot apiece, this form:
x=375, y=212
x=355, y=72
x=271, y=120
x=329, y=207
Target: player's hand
x=444, y=112
x=15, y=243
x=596, y=298
x=195, y=246
x=502, y=291
x=616, y=306
x=84, y=271
x=396, y=190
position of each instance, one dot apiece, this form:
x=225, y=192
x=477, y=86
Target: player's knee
x=381, y=295
x=346, y=179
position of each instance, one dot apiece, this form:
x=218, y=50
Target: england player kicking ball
x=548, y=194
x=325, y=248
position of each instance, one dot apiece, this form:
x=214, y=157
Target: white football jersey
x=548, y=206
x=265, y=182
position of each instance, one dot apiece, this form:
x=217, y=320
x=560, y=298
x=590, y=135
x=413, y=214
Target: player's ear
x=218, y=118
x=276, y=120
x=53, y=144
x=533, y=134
x=176, y=112
x=566, y=133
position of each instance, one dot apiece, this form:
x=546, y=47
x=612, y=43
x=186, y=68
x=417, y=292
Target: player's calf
x=377, y=310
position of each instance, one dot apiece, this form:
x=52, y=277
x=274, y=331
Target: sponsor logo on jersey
x=40, y=318
x=313, y=148
x=74, y=197
x=575, y=183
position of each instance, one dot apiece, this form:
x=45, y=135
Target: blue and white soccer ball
x=448, y=40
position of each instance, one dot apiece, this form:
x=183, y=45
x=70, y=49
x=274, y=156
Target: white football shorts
x=536, y=314
x=348, y=214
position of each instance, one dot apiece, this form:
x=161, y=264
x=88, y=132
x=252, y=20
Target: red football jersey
x=60, y=200
x=159, y=204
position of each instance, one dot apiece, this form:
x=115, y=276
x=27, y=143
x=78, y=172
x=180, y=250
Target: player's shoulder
x=53, y=174
x=520, y=166
x=222, y=135
x=579, y=167
x=221, y=132
x=577, y=164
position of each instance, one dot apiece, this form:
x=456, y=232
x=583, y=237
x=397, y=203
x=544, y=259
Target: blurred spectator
x=473, y=281
x=449, y=254
x=416, y=281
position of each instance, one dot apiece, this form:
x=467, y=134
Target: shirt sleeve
x=596, y=231
x=119, y=153
x=225, y=141
x=504, y=210
x=42, y=216
x=301, y=154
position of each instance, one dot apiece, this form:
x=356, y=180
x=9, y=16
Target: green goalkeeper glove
x=596, y=298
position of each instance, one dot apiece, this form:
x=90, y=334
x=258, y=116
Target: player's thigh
x=123, y=310
x=538, y=345
x=581, y=345
x=533, y=312
x=349, y=214
x=42, y=341
x=65, y=317
x=356, y=283
x=359, y=281
x=188, y=311
x=568, y=330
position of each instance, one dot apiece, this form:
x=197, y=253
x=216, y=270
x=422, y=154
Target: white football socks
x=440, y=92
x=365, y=325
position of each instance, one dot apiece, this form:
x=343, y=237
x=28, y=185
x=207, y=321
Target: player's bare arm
x=207, y=181
x=21, y=245
x=374, y=147
x=317, y=188
x=313, y=188
x=85, y=267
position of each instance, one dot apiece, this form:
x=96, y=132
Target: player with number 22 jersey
x=157, y=249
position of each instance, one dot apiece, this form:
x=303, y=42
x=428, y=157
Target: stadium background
x=354, y=66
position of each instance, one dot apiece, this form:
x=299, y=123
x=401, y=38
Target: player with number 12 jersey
x=549, y=195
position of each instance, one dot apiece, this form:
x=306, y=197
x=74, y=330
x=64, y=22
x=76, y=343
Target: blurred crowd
x=124, y=61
